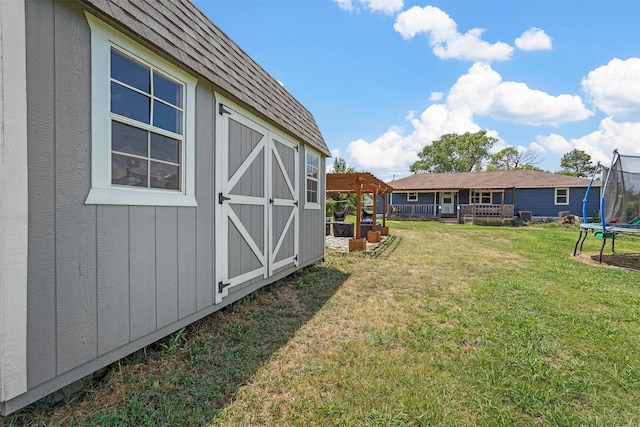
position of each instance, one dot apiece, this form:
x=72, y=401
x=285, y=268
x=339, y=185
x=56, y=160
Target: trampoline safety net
x=620, y=204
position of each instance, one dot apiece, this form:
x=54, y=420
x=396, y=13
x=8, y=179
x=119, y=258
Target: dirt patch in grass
x=629, y=261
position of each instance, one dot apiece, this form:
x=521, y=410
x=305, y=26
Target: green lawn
x=453, y=325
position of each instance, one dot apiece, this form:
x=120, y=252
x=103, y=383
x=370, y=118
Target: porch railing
x=413, y=210
x=486, y=210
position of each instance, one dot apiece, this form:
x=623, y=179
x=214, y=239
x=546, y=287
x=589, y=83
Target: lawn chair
x=339, y=216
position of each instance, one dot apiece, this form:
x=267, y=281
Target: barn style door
x=283, y=212
x=257, y=215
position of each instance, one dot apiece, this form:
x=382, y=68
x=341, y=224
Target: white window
x=412, y=197
x=562, y=196
x=312, y=173
x=143, y=119
x=481, y=197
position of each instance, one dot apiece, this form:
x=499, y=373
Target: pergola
x=359, y=183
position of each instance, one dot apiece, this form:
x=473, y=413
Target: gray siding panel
x=204, y=196
x=75, y=223
x=41, y=290
x=113, y=277
x=142, y=270
x=186, y=261
x=167, y=264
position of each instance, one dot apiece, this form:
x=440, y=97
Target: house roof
x=186, y=36
x=487, y=180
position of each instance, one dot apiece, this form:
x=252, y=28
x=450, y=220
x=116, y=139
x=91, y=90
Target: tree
x=339, y=200
x=510, y=158
x=577, y=163
x=340, y=166
x=454, y=153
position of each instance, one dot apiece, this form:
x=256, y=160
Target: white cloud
x=388, y=7
x=436, y=96
x=446, y=41
x=534, y=39
x=599, y=144
x=554, y=143
x=479, y=92
x=484, y=92
x=615, y=88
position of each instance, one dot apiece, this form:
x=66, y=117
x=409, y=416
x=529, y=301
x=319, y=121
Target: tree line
x=469, y=152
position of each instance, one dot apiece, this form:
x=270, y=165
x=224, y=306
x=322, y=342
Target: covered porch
x=469, y=205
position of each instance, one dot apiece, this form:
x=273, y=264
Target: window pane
x=167, y=90
x=167, y=117
x=163, y=148
x=128, y=103
x=128, y=171
x=129, y=71
x=165, y=176
x=128, y=139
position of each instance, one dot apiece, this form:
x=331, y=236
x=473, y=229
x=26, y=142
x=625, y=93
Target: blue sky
x=384, y=78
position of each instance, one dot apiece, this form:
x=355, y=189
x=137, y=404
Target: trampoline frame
x=602, y=229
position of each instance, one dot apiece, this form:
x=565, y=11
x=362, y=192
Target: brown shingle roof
x=180, y=30
x=487, y=180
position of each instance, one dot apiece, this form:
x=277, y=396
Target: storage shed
x=150, y=173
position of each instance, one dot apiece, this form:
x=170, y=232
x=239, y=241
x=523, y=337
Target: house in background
x=150, y=173
x=490, y=197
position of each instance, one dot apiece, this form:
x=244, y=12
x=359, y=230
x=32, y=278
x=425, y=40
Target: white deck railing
x=413, y=210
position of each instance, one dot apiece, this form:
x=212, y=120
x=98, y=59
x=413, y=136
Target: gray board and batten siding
x=105, y=280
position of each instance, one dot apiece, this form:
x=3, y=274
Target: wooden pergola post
x=375, y=208
x=358, y=209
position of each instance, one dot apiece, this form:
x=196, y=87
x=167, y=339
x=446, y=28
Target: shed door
x=242, y=232
x=283, y=213
x=257, y=224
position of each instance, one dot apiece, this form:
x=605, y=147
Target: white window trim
x=479, y=194
x=412, y=199
x=555, y=194
x=14, y=198
x=102, y=192
x=307, y=204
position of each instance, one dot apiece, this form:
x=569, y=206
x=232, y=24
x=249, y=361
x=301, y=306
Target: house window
x=481, y=197
x=562, y=196
x=412, y=197
x=311, y=182
x=143, y=124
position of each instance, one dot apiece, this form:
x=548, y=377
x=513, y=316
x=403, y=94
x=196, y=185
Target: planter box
x=357, y=245
x=384, y=231
x=373, y=236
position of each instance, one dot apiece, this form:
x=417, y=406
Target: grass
x=459, y=325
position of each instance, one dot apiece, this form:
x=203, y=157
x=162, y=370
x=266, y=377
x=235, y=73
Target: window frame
x=555, y=198
x=412, y=196
x=311, y=204
x=103, y=39
x=479, y=195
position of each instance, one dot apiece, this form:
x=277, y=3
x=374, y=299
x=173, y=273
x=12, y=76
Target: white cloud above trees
x=615, y=88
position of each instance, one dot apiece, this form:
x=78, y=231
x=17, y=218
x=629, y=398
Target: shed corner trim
x=14, y=201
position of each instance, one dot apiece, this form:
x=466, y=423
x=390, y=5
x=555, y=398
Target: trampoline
x=619, y=203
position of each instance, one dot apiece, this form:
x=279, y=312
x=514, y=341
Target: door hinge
x=222, y=198
x=222, y=110
x=270, y=201
x=295, y=203
x=297, y=148
x=221, y=286
x=295, y=258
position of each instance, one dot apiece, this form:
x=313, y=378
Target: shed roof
x=487, y=180
x=357, y=182
x=186, y=36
